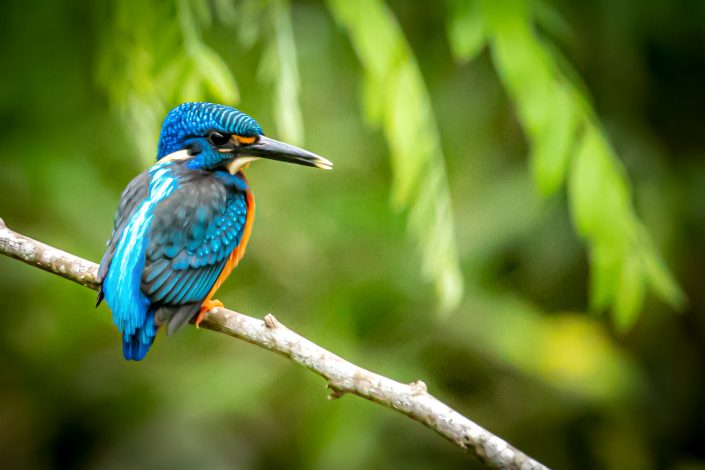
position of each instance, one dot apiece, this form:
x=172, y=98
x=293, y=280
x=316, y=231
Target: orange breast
x=239, y=250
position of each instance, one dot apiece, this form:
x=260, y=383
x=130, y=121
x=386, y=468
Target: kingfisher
x=183, y=224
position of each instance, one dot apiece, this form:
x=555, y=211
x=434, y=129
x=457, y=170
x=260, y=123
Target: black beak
x=275, y=150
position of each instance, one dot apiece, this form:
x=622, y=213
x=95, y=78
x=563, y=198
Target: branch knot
x=336, y=390
x=418, y=387
x=270, y=322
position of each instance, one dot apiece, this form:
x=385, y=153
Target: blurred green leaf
x=660, y=279
x=161, y=60
x=606, y=270
x=550, y=19
x=587, y=185
x=465, y=29
x=226, y=11
x=287, y=110
x=569, y=351
x=201, y=11
x=191, y=87
x=249, y=22
x=395, y=98
x=567, y=142
x=216, y=75
x=630, y=294
x=217, y=80
x=550, y=154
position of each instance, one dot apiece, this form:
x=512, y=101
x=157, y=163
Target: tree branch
x=343, y=377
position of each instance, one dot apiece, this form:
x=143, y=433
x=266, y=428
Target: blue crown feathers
x=196, y=119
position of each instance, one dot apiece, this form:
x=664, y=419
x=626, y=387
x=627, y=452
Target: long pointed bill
x=275, y=150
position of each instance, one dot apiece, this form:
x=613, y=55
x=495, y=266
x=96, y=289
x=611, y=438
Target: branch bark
x=344, y=377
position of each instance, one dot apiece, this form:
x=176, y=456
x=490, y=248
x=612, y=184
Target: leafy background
x=516, y=216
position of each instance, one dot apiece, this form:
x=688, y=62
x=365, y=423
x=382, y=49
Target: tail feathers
x=101, y=296
x=136, y=345
x=133, y=348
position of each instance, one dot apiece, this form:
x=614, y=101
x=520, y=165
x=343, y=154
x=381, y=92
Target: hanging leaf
x=216, y=76
x=630, y=292
x=466, y=32
x=161, y=60
x=396, y=99
x=552, y=147
x=287, y=111
x=566, y=142
x=249, y=22
x=658, y=277
x=606, y=269
x=586, y=185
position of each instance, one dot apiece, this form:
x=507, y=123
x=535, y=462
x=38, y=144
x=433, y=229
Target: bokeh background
x=516, y=216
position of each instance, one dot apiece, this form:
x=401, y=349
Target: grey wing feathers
x=135, y=192
x=176, y=316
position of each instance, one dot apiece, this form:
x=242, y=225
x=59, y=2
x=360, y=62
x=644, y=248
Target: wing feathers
x=190, y=238
x=192, y=235
x=135, y=192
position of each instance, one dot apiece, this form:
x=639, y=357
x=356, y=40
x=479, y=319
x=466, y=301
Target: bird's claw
x=207, y=306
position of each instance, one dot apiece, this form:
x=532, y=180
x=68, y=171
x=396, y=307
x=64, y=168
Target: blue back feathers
x=196, y=119
x=122, y=283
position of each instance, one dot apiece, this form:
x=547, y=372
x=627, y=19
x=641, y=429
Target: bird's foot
x=207, y=306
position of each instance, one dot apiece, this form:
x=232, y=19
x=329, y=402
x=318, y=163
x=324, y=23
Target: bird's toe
x=207, y=306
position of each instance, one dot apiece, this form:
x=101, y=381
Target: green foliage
x=288, y=113
x=395, y=96
x=331, y=258
x=566, y=143
x=397, y=101
x=466, y=31
x=567, y=146
x=569, y=352
x=142, y=74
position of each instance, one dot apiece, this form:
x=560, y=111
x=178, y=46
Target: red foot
x=207, y=306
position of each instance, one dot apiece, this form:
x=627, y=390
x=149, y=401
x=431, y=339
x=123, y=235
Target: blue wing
x=192, y=235
x=121, y=269
x=133, y=195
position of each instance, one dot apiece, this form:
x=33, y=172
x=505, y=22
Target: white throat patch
x=235, y=165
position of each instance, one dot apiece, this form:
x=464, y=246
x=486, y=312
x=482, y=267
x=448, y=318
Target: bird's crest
x=196, y=119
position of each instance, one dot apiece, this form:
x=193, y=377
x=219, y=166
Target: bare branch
x=343, y=377
x=47, y=257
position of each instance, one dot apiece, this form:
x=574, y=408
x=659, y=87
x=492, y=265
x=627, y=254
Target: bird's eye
x=218, y=139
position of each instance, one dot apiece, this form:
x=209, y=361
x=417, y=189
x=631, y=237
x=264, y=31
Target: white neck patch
x=176, y=156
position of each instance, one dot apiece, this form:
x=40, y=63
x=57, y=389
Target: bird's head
x=212, y=136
